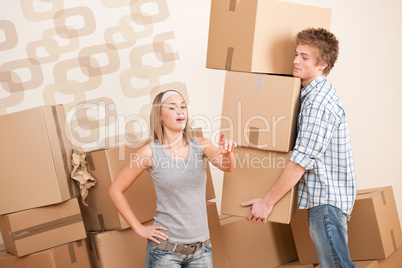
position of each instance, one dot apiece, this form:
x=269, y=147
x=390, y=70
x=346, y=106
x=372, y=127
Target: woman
x=179, y=236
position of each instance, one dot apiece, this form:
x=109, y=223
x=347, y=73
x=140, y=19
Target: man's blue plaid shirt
x=323, y=148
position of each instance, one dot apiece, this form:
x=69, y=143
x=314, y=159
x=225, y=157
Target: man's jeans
x=158, y=258
x=328, y=230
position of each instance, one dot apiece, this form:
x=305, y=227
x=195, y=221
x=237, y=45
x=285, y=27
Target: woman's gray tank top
x=180, y=191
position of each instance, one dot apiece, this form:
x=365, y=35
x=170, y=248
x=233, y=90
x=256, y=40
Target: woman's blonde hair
x=156, y=127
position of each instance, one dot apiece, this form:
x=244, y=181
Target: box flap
x=366, y=193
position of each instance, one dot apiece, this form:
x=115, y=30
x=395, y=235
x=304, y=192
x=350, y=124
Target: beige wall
x=103, y=60
x=366, y=76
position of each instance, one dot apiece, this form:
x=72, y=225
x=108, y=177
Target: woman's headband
x=167, y=94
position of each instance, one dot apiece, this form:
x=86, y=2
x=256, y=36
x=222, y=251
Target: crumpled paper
x=80, y=173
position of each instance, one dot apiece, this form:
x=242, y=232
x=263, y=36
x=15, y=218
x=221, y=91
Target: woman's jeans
x=158, y=258
x=328, y=230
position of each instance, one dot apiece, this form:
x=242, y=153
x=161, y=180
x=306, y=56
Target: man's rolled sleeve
x=302, y=160
x=314, y=134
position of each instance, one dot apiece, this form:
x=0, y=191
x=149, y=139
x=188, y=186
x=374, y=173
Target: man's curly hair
x=324, y=43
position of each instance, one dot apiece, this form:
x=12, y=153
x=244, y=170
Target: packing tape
x=229, y=57
x=259, y=83
x=45, y=227
x=89, y=241
x=90, y=162
x=393, y=239
x=384, y=200
x=71, y=251
x=232, y=5
x=101, y=221
x=93, y=246
x=253, y=135
x=96, y=252
x=63, y=148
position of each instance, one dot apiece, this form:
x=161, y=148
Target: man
x=322, y=161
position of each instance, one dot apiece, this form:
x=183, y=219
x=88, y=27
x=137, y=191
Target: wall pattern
x=104, y=60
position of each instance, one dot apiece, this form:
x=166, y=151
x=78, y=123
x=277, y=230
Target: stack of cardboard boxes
x=254, y=42
x=374, y=231
x=42, y=219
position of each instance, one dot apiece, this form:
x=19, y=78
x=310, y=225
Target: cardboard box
x=260, y=111
x=257, y=245
x=124, y=248
x=374, y=230
x=374, y=227
x=71, y=255
x=258, y=35
x=104, y=165
x=255, y=172
x=304, y=245
x=219, y=254
x=393, y=261
x=41, y=228
x=34, y=171
x=119, y=248
x=365, y=264
x=295, y=264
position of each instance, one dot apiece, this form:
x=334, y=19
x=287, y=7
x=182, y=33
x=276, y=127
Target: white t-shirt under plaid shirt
x=323, y=148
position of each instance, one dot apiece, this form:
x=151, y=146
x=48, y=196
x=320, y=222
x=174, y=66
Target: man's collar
x=307, y=89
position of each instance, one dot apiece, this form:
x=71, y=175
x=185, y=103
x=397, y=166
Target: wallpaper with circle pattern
x=104, y=60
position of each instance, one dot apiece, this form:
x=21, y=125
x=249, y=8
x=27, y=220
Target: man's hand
x=260, y=210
